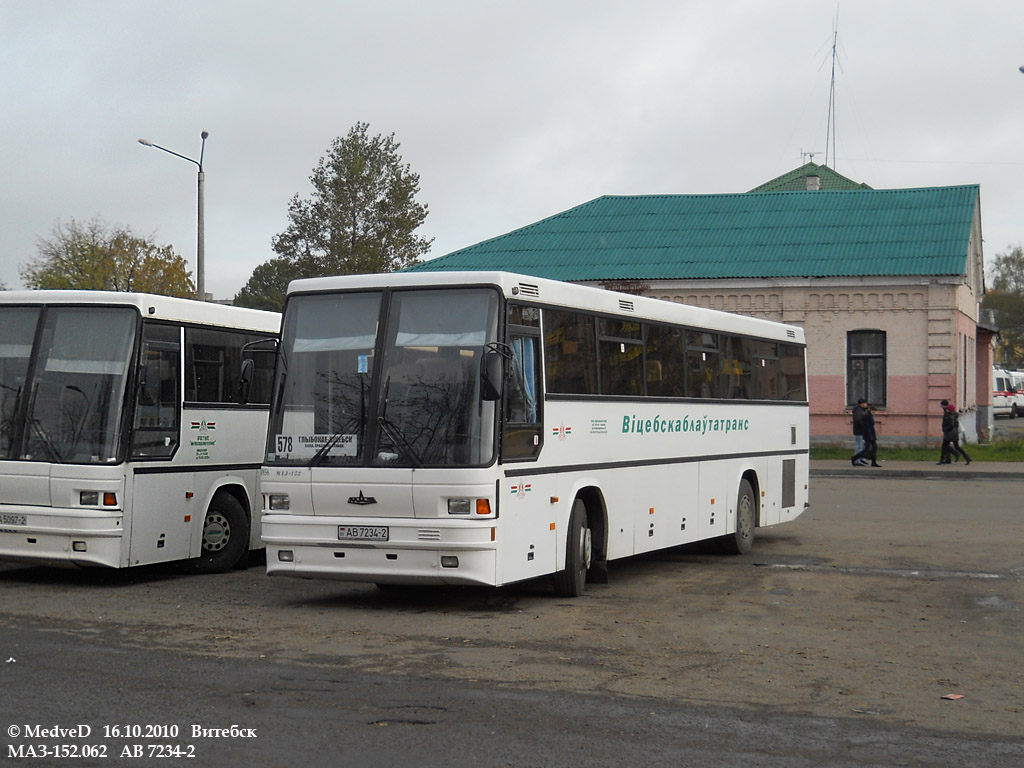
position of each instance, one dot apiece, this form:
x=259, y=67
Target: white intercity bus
x=125, y=438
x=485, y=428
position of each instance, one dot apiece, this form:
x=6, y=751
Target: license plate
x=13, y=519
x=363, y=532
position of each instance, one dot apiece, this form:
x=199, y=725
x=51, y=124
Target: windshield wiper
x=45, y=441
x=393, y=433
x=398, y=440
x=322, y=452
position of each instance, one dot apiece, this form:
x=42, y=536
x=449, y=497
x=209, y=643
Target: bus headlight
x=468, y=506
x=280, y=502
x=458, y=506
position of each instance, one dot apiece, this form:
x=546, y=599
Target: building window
x=865, y=367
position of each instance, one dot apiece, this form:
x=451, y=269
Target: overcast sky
x=509, y=111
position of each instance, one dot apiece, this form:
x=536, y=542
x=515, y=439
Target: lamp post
x=201, y=237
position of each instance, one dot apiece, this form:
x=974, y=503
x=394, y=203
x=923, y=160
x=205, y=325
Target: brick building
x=886, y=283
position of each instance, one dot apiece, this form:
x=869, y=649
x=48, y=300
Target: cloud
x=509, y=112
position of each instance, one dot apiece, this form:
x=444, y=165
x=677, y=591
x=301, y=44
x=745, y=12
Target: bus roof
x=561, y=294
x=160, y=307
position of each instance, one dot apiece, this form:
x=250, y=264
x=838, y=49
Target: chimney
x=813, y=183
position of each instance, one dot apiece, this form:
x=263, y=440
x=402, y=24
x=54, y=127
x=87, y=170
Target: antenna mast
x=830, y=131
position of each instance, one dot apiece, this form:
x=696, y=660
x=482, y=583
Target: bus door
x=529, y=521
x=160, y=516
x=21, y=481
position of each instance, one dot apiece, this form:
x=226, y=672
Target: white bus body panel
x=665, y=472
x=533, y=500
x=41, y=519
x=160, y=504
x=172, y=497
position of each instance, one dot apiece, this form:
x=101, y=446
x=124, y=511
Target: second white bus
x=123, y=441
x=485, y=428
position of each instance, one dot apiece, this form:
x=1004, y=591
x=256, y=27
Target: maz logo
x=361, y=500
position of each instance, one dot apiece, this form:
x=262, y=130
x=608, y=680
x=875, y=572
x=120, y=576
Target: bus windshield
x=62, y=388
x=360, y=387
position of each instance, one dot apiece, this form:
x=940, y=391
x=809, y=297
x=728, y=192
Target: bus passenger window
x=571, y=353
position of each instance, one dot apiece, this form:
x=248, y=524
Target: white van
x=1004, y=395
x=1017, y=379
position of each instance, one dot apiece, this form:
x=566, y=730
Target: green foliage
x=1005, y=295
x=360, y=219
x=97, y=257
x=997, y=450
x=267, y=287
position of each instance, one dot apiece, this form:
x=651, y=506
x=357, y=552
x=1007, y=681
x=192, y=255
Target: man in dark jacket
x=858, y=429
x=867, y=428
x=944, y=456
x=951, y=436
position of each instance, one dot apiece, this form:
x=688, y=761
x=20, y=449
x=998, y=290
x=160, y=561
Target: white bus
x=122, y=440
x=485, y=428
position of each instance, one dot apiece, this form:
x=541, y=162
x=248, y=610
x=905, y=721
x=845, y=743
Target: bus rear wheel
x=225, y=535
x=572, y=580
x=742, y=539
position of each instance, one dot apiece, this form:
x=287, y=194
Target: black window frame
x=867, y=368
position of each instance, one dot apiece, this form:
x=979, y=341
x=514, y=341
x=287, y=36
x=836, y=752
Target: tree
x=268, y=285
x=96, y=256
x=361, y=218
x=1006, y=297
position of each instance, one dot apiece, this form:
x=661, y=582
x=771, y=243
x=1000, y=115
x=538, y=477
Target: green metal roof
x=747, y=235
x=796, y=180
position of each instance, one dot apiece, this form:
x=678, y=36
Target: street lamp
x=200, y=241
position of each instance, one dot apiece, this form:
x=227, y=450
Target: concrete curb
x=920, y=470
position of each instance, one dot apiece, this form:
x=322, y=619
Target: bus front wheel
x=571, y=581
x=225, y=535
x=740, y=541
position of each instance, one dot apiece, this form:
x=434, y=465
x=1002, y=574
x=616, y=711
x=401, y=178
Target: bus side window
x=158, y=399
x=522, y=399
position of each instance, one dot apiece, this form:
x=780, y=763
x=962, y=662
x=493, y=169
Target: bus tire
x=742, y=539
x=571, y=581
x=225, y=535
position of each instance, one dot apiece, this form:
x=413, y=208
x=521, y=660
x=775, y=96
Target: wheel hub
x=216, y=533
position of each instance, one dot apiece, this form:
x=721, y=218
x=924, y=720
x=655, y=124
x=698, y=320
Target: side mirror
x=492, y=376
x=245, y=380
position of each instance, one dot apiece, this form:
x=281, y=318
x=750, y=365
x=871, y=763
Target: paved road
x=833, y=643
x=297, y=714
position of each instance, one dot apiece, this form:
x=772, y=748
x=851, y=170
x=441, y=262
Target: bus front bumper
x=417, y=551
x=61, y=537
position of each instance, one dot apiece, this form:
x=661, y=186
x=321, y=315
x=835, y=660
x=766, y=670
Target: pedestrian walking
x=870, y=449
x=858, y=428
x=951, y=437
x=944, y=454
